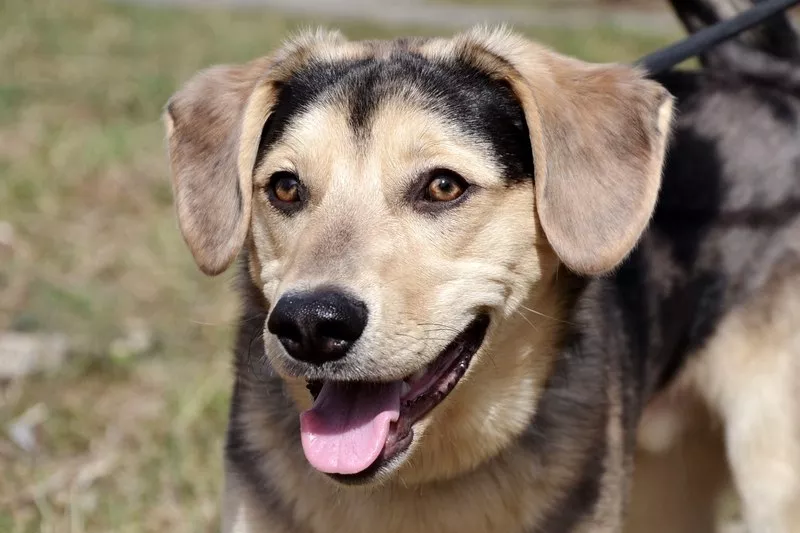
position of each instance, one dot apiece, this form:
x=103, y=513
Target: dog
x=488, y=287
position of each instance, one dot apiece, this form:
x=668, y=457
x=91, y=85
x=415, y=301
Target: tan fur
x=204, y=126
x=681, y=469
x=390, y=262
x=213, y=124
x=609, y=513
x=751, y=377
x=394, y=268
x=598, y=134
x=735, y=406
x=467, y=504
x=678, y=490
x=610, y=140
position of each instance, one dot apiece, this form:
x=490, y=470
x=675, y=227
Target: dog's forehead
x=395, y=74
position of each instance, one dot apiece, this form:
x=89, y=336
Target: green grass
x=127, y=444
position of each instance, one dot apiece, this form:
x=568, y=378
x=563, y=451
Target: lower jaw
x=402, y=433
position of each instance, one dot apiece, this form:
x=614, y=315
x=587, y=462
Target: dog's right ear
x=214, y=124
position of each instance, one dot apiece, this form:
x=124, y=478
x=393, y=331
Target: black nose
x=318, y=326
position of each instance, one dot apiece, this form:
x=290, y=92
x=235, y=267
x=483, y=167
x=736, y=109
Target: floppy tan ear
x=599, y=134
x=604, y=131
x=214, y=123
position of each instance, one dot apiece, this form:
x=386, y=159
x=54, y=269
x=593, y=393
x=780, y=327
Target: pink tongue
x=346, y=429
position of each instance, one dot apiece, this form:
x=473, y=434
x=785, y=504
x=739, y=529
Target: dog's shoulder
x=725, y=224
x=733, y=154
x=730, y=199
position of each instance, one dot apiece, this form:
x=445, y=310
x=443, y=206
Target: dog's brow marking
x=457, y=92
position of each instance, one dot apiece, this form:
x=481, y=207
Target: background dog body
x=541, y=435
x=734, y=160
x=733, y=252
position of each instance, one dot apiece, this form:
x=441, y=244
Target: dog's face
x=403, y=205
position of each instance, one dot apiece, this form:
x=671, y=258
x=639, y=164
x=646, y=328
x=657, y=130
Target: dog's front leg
x=751, y=375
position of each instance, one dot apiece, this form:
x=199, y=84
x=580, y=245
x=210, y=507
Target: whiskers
x=543, y=315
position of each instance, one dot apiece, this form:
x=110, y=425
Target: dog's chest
x=502, y=497
x=466, y=508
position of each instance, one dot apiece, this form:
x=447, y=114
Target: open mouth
x=355, y=428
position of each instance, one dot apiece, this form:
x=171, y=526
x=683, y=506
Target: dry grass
x=127, y=441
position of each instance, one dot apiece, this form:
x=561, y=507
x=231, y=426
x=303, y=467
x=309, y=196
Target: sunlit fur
x=534, y=437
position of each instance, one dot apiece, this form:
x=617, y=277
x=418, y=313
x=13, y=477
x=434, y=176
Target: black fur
x=721, y=231
x=481, y=107
x=730, y=194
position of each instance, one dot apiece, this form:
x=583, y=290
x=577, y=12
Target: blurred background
x=114, y=359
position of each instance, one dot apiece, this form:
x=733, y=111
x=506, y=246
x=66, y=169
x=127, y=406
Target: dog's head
x=405, y=205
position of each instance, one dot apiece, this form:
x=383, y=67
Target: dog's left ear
x=598, y=134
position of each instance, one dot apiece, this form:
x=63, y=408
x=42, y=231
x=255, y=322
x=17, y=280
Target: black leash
x=697, y=43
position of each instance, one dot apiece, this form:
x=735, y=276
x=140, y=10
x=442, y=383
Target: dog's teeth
x=405, y=389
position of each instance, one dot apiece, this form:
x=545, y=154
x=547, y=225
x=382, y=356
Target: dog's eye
x=284, y=188
x=445, y=187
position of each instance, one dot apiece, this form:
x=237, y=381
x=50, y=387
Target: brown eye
x=445, y=187
x=284, y=190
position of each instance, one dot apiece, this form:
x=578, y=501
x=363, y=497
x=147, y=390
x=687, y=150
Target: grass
x=127, y=442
